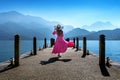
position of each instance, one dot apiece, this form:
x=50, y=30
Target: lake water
x=7, y=48
x=112, y=48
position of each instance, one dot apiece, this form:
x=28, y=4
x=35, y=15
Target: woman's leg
x=59, y=55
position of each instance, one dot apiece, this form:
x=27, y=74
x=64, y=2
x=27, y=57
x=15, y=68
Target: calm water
x=7, y=48
x=112, y=48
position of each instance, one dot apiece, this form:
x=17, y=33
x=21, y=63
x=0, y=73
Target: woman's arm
x=54, y=32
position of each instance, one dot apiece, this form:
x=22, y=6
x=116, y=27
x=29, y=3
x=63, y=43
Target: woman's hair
x=59, y=32
x=59, y=29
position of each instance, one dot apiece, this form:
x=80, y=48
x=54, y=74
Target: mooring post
x=52, y=41
x=77, y=44
x=45, y=43
x=34, y=46
x=84, y=47
x=16, y=49
x=102, y=51
x=74, y=42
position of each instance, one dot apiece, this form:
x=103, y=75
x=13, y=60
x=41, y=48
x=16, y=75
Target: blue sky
x=69, y=12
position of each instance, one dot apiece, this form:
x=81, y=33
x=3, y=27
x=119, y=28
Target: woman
x=60, y=44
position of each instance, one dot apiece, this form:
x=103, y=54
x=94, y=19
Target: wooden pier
x=75, y=63
x=71, y=66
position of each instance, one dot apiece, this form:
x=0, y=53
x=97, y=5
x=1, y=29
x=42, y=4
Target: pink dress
x=60, y=45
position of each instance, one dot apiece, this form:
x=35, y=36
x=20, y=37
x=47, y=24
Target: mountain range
x=97, y=26
x=80, y=33
x=12, y=23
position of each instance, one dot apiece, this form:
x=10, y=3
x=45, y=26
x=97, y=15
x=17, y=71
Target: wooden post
x=45, y=43
x=74, y=42
x=52, y=41
x=77, y=44
x=102, y=51
x=84, y=47
x=16, y=49
x=34, y=46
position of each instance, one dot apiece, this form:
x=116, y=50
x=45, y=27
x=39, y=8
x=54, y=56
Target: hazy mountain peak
x=99, y=23
x=76, y=32
x=67, y=28
x=11, y=13
x=99, y=26
x=26, y=25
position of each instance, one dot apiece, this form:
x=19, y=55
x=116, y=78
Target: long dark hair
x=59, y=32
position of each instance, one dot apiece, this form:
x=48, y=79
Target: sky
x=68, y=12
